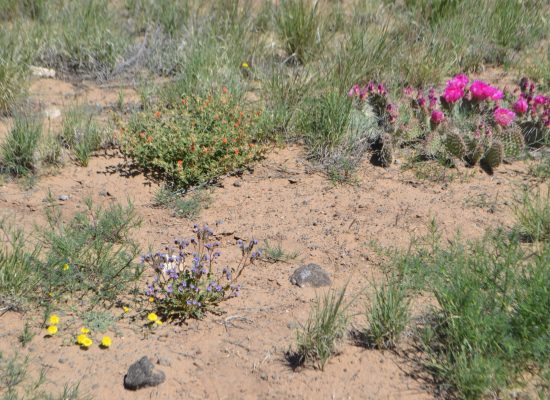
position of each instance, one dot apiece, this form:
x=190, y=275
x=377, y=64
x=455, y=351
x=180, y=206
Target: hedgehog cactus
x=494, y=155
x=454, y=143
x=385, y=154
x=512, y=140
x=476, y=149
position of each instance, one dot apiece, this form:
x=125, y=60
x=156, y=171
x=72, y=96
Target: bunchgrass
x=318, y=338
x=532, y=210
x=387, y=315
x=81, y=134
x=183, y=206
x=17, y=384
x=299, y=27
x=19, y=148
x=490, y=323
x=276, y=253
x=26, y=335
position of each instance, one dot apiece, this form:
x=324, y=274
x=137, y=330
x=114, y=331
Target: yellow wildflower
x=80, y=339
x=54, y=319
x=84, y=330
x=245, y=65
x=52, y=330
x=106, y=341
x=151, y=299
x=125, y=309
x=158, y=322
x=152, y=317
x=87, y=342
x=65, y=267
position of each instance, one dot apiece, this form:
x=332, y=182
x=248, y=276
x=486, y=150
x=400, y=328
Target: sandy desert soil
x=240, y=354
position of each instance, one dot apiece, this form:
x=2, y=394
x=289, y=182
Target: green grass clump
x=299, y=27
x=326, y=325
x=276, y=253
x=183, y=207
x=532, y=211
x=18, y=151
x=15, y=383
x=491, y=322
x=81, y=134
x=194, y=141
x=388, y=315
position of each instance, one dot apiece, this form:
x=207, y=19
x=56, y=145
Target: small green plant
x=15, y=383
x=388, y=315
x=26, y=335
x=81, y=134
x=327, y=323
x=182, y=289
x=195, y=141
x=18, y=267
x=184, y=207
x=276, y=253
x=18, y=151
x=299, y=27
x=532, y=211
x=98, y=321
x=51, y=151
x=92, y=252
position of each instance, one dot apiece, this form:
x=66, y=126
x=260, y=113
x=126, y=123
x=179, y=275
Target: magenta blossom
x=503, y=116
x=477, y=88
x=494, y=93
x=461, y=79
x=354, y=91
x=437, y=117
x=540, y=99
x=453, y=92
x=521, y=106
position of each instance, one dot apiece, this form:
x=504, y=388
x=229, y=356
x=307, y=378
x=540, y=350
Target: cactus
x=385, y=154
x=475, y=151
x=454, y=143
x=512, y=139
x=494, y=155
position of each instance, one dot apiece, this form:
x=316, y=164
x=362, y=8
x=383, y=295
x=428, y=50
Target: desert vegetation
x=184, y=107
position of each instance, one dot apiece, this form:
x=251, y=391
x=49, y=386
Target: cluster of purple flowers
x=182, y=290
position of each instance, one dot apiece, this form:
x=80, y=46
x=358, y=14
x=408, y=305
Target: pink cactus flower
x=540, y=99
x=354, y=91
x=453, y=94
x=494, y=93
x=477, y=88
x=437, y=117
x=521, y=106
x=408, y=91
x=503, y=116
x=461, y=79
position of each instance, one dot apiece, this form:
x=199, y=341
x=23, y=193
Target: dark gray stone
x=141, y=374
x=310, y=275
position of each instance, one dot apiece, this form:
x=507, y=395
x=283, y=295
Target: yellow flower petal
x=125, y=309
x=152, y=317
x=52, y=330
x=87, y=342
x=245, y=65
x=106, y=341
x=158, y=322
x=84, y=330
x=65, y=267
x=151, y=299
x=80, y=339
x=54, y=319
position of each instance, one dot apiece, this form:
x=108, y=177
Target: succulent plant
x=494, y=155
x=385, y=153
x=476, y=149
x=512, y=139
x=455, y=145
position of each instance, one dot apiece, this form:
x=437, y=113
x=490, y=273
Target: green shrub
x=388, y=315
x=195, y=141
x=184, y=207
x=326, y=325
x=18, y=151
x=299, y=26
x=91, y=253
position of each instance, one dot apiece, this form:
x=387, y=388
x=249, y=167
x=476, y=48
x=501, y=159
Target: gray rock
x=64, y=197
x=140, y=375
x=310, y=275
